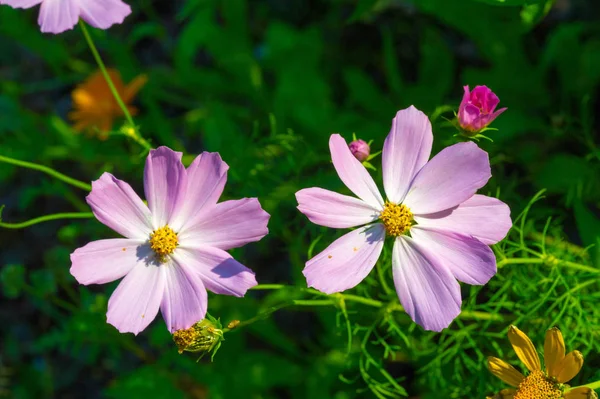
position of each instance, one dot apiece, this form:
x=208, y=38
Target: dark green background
x=265, y=83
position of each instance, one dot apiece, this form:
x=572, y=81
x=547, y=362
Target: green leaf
x=12, y=278
x=588, y=225
x=43, y=281
x=512, y=3
x=146, y=382
x=363, y=7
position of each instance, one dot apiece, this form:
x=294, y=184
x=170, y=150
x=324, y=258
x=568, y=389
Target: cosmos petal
x=405, y=151
x=347, y=261
x=330, y=209
x=135, y=302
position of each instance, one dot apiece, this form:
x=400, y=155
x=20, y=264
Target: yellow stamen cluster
x=397, y=219
x=163, y=242
x=538, y=386
x=203, y=336
x=184, y=338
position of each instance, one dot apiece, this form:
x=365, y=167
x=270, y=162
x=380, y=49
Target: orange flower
x=540, y=384
x=94, y=105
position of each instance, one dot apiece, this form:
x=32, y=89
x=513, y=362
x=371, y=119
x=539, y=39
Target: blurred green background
x=265, y=83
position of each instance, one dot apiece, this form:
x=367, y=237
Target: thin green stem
x=47, y=170
x=551, y=261
x=593, y=385
x=296, y=302
x=47, y=218
x=134, y=134
x=519, y=261
x=578, y=266
x=392, y=306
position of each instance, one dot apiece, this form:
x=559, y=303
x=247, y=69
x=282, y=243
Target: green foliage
x=265, y=84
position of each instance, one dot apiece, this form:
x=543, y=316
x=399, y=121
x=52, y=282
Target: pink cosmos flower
x=440, y=227
x=476, y=110
x=174, y=248
x=57, y=16
x=360, y=149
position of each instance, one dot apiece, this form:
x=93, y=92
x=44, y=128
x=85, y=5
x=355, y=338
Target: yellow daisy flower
x=94, y=105
x=540, y=384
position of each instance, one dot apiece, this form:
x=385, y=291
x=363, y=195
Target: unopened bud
x=360, y=149
x=477, y=109
x=233, y=324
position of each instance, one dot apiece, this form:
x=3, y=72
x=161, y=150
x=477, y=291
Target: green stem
x=518, y=261
x=135, y=135
x=297, y=302
x=47, y=218
x=592, y=385
x=550, y=260
x=50, y=171
x=394, y=306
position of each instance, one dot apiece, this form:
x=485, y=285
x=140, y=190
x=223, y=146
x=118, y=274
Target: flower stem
x=135, y=135
x=393, y=306
x=50, y=171
x=592, y=385
x=47, y=218
x=296, y=302
x=550, y=260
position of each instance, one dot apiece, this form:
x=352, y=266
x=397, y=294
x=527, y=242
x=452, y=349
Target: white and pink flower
x=175, y=248
x=440, y=227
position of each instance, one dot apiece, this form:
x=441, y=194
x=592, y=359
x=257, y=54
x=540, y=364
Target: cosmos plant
x=441, y=229
x=174, y=248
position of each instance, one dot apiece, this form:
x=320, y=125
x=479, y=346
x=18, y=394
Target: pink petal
x=185, y=300
x=229, y=224
x=57, y=16
x=165, y=183
x=450, y=178
x=104, y=261
x=347, y=261
x=405, y=151
x=117, y=206
x=21, y=3
x=104, y=13
x=485, y=218
x=469, y=117
x=353, y=173
x=465, y=100
x=467, y=258
x=427, y=290
x=206, y=178
x=328, y=208
x=493, y=116
x=219, y=272
x=135, y=302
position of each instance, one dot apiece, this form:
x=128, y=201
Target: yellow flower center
x=184, y=338
x=397, y=219
x=538, y=386
x=163, y=242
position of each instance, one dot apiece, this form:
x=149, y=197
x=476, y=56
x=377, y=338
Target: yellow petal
x=581, y=393
x=570, y=366
x=554, y=351
x=503, y=394
x=505, y=371
x=133, y=87
x=524, y=348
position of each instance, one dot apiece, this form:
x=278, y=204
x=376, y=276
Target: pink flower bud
x=360, y=149
x=477, y=107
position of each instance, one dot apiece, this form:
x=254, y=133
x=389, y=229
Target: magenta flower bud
x=477, y=107
x=360, y=149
